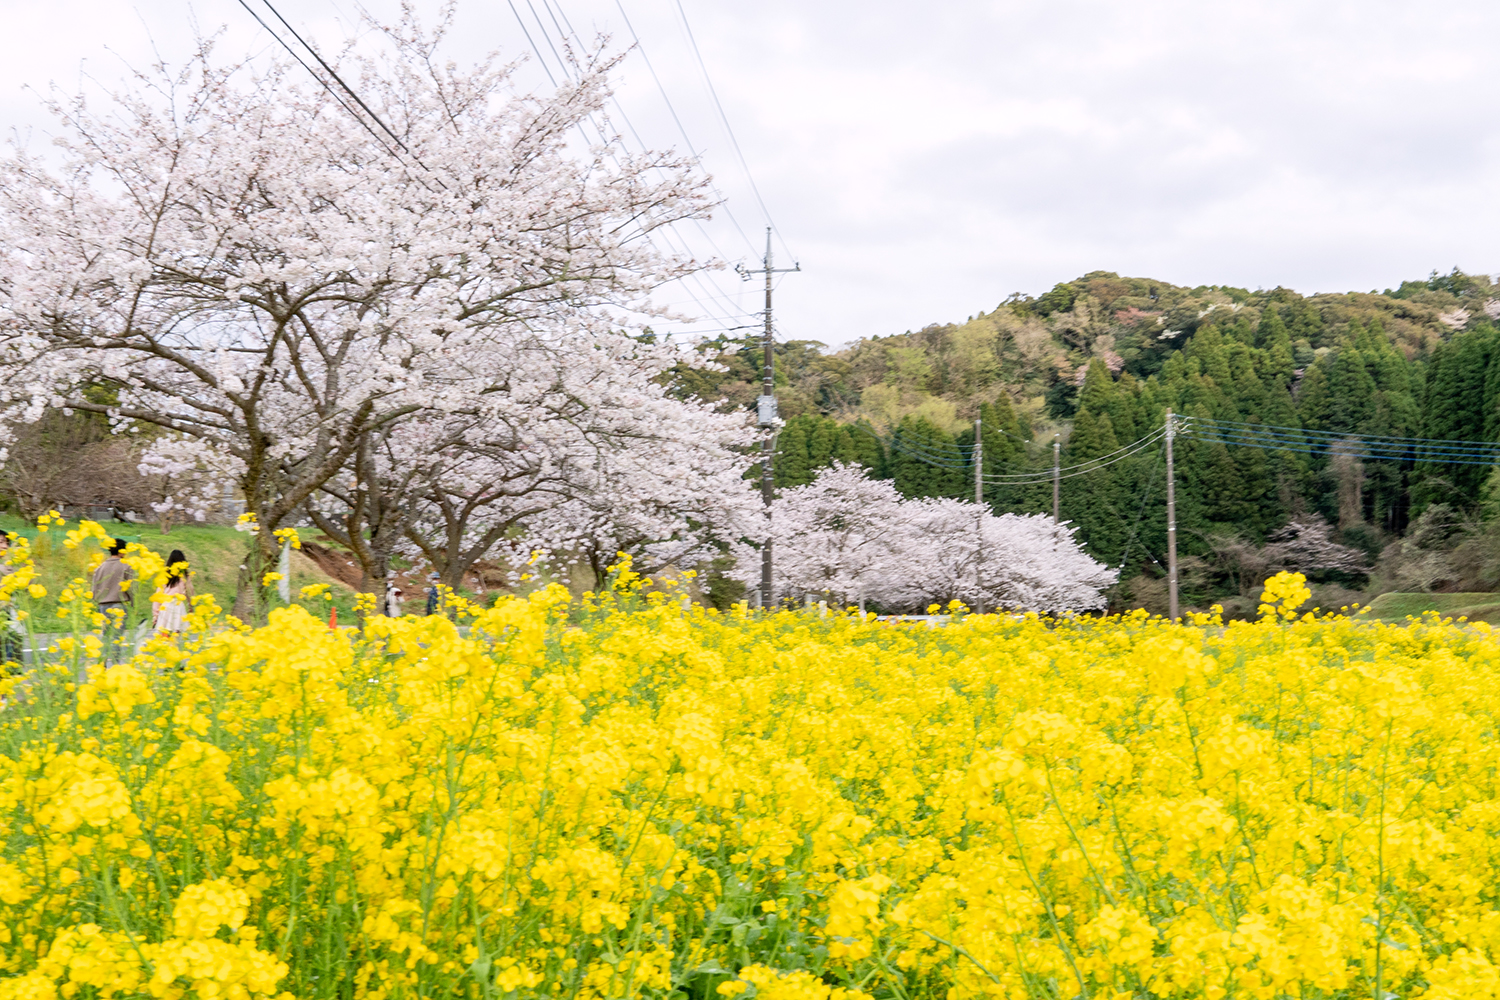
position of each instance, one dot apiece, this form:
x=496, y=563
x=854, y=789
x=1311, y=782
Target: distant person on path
x=392, y=599
x=111, y=587
x=169, y=613
x=433, y=597
x=11, y=645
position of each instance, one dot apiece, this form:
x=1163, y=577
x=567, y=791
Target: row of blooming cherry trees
x=851, y=539
x=425, y=340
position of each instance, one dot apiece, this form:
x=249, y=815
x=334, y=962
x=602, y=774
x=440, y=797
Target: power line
x=340, y=80
x=548, y=35
x=1271, y=437
x=1131, y=450
x=534, y=47
x=729, y=128
x=570, y=32
x=310, y=72
x=1026, y=478
x=692, y=150
x=730, y=316
x=1341, y=435
x=957, y=462
x=1140, y=516
x=347, y=89
x=734, y=312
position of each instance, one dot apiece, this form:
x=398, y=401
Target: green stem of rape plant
x=1042, y=897
x=1385, y=756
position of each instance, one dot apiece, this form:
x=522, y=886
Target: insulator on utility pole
x=1171, y=524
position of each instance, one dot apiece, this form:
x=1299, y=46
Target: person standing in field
x=433, y=596
x=11, y=645
x=169, y=614
x=111, y=589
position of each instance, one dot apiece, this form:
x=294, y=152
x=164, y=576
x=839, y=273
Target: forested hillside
x=1096, y=362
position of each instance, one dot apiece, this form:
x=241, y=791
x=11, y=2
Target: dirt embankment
x=335, y=564
x=485, y=577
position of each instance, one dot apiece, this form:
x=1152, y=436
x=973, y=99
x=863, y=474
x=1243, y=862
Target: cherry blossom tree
x=846, y=537
x=835, y=537
x=1020, y=562
x=673, y=501
x=606, y=436
x=186, y=479
x=246, y=263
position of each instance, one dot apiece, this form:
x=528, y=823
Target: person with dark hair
x=170, y=604
x=12, y=646
x=111, y=589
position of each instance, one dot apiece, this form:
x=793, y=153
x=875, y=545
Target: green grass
x=1477, y=607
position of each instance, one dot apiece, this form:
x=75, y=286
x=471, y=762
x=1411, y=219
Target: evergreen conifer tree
x=1455, y=408
x=925, y=460
x=821, y=437
x=792, y=467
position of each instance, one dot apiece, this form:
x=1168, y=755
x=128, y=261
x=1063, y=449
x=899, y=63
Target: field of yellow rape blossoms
x=620, y=798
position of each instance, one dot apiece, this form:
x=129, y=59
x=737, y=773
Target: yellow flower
x=612, y=798
x=1284, y=594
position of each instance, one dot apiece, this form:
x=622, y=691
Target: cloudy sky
x=923, y=162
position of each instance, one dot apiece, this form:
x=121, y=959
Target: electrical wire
x=1375, y=456
x=1080, y=468
x=1308, y=432
x=312, y=73
x=692, y=150
x=729, y=316
x=625, y=117
x=1277, y=438
x=1141, y=514
x=956, y=453
x=1029, y=478
x=1142, y=445
x=340, y=80
x=735, y=142
x=726, y=309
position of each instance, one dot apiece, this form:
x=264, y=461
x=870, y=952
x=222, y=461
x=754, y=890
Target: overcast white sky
x=924, y=162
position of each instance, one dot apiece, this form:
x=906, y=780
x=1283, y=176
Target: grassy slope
x=214, y=553
x=1483, y=607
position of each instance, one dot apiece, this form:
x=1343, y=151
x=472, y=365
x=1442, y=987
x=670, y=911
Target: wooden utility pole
x=1056, y=479
x=766, y=417
x=978, y=516
x=1171, y=525
x=978, y=465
